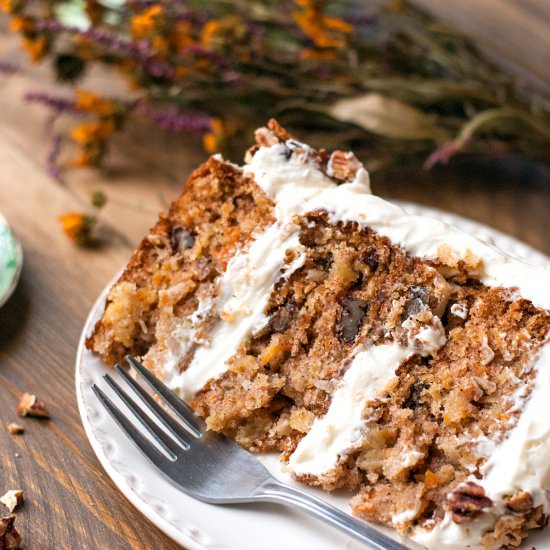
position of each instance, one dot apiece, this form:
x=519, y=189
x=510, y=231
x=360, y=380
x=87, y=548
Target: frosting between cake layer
x=370, y=372
x=244, y=290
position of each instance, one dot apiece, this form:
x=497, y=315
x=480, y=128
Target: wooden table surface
x=70, y=502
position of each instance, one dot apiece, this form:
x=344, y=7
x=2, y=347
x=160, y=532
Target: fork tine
x=176, y=404
x=175, y=428
x=162, y=438
x=134, y=434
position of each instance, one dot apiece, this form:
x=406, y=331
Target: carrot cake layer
x=390, y=354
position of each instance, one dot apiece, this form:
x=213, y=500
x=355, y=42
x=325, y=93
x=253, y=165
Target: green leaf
x=73, y=14
x=388, y=117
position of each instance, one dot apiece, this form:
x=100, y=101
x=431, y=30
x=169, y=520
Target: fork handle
x=275, y=491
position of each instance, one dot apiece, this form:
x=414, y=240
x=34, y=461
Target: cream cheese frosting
x=371, y=371
x=244, y=290
x=368, y=377
x=297, y=185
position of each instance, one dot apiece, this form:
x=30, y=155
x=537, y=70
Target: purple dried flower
x=173, y=119
x=214, y=58
x=442, y=154
x=56, y=103
x=52, y=25
x=8, y=68
x=139, y=51
x=53, y=154
x=361, y=19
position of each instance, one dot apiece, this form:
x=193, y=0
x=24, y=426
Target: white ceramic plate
x=199, y=526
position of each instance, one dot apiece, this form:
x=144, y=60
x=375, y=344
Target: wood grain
x=71, y=503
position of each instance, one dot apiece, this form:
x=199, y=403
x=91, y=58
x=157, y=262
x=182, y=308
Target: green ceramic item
x=10, y=261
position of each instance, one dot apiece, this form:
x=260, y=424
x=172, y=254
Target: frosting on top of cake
x=297, y=185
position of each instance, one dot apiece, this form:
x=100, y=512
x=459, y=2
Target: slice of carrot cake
x=389, y=354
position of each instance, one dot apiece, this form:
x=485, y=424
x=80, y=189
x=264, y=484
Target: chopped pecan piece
x=12, y=499
x=10, y=539
x=273, y=134
x=30, y=405
x=536, y=518
x=265, y=137
x=353, y=313
x=343, y=165
x=508, y=532
x=15, y=429
x=282, y=317
x=278, y=130
x=467, y=501
x=520, y=503
x=181, y=239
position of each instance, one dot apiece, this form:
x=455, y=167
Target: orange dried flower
x=209, y=31
x=182, y=35
x=20, y=24
x=89, y=132
x=221, y=130
x=35, y=47
x=145, y=22
x=309, y=54
x=212, y=140
x=337, y=24
x=214, y=31
x=78, y=227
x=160, y=45
x=94, y=103
x=182, y=72
x=324, y=31
x=85, y=158
x=35, y=44
x=9, y=6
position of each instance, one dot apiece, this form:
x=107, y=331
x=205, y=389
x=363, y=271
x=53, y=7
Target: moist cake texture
x=388, y=354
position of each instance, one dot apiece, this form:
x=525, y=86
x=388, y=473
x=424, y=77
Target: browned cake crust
x=215, y=215
x=353, y=286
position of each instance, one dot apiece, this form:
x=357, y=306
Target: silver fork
x=210, y=467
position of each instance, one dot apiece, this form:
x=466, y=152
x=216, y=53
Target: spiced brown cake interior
x=385, y=353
